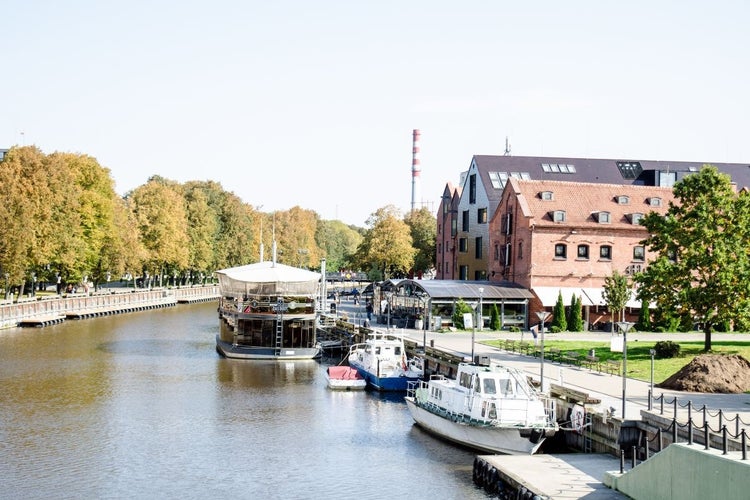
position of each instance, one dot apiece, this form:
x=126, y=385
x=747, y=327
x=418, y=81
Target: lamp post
x=388, y=305
x=625, y=326
x=481, y=319
x=652, y=352
x=542, y=315
x=473, y=329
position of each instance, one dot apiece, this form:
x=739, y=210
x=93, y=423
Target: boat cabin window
x=398, y=350
x=476, y=385
x=489, y=386
x=377, y=350
x=493, y=411
x=506, y=387
x=465, y=380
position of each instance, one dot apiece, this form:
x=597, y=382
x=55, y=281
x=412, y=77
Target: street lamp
x=473, y=329
x=625, y=326
x=542, y=315
x=388, y=305
x=481, y=319
x=652, y=352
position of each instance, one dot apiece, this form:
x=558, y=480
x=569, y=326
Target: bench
x=611, y=366
x=591, y=362
x=572, y=357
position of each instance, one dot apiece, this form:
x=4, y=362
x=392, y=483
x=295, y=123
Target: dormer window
x=635, y=218
x=603, y=217
x=558, y=216
x=623, y=200
x=547, y=195
x=654, y=202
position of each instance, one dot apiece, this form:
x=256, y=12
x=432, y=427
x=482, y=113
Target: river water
x=141, y=406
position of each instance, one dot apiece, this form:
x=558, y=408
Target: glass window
x=604, y=218
x=583, y=251
x=482, y=216
x=623, y=200
x=654, y=202
x=639, y=253
x=605, y=252
x=558, y=216
x=547, y=195
x=465, y=220
x=561, y=251
x=478, y=249
x=489, y=386
x=473, y=188
x=636, y=218
x=463, y=245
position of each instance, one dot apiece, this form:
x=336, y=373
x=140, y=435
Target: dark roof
x=469, y=290
x=597, y=170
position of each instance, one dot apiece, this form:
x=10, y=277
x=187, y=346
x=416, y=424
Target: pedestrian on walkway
x=368, y=308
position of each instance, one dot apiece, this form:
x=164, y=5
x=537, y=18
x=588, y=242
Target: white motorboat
x=491, y=408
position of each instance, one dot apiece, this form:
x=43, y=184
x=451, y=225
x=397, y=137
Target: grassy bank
x=639, y=359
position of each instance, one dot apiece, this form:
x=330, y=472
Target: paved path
x=608, y=388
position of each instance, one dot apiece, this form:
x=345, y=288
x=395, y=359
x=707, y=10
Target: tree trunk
x=707, y=341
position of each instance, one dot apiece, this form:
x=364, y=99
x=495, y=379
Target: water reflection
x=142, y=406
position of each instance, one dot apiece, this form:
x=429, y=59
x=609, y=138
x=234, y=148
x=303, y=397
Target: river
x=140, y=405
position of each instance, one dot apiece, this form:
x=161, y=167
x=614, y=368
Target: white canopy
x=267, y=278
x=589, y=296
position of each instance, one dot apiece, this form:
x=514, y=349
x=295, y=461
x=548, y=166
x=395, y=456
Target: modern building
x=447, y=228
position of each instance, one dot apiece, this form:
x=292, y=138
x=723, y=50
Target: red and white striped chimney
x=416, y=170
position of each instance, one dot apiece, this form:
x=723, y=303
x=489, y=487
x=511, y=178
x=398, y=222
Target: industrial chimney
x=415, y=171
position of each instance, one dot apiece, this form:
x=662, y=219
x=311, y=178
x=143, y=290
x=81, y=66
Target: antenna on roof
x=507, y=146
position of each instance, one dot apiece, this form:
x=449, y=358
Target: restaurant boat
x=382, y=361
x=267, y=310
x=491, y=408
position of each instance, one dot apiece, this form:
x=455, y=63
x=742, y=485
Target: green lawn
x=639, y=360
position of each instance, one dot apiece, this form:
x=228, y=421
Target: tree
x=339, y=243
x=458, y=313
x=559, y=323
x=495, y=318
x=616, y=294
x=575, y=315
x=387, y=244
x=295, y=236
x=702, y=269
x=423, y=230
x=644, y=318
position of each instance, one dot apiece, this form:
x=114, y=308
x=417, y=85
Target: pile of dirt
x=727, y=374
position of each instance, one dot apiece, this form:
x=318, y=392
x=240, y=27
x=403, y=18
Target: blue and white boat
x=383, y=363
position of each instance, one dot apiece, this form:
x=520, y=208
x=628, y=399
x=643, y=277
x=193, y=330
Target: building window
x=463, y=272
x=465, y=220
x=454, y=227
x=558, y=216
x=654, y=202
x=639, y=253
x=520, y=250
x=497, y=252
x=508, y=223
x=559, y=168
x=561, y=251
x=507, y=254
x=482, y=216
x=583, y=252
x=604, y=217
x=635, y=218
x=547, y=195
x=623, y=200
x=666, y=179
x=605, y=252
x=629, y=169
x=480, y=275
x=478, y=247
x=473, y=188
x=463, y=245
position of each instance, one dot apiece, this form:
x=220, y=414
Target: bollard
x=721, y=419
x=690, y=431
x=622, y=461
x=737, y=425
x=658, y=433
x=724, y=439
x=690, y=410
x=661, y=402
x=705, y=414
x=674, y=407
x=632, y=466
x=674, y=431
x=650, y=401
x=744, y=445
x=705, y=434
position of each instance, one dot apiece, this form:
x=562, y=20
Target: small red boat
x=344, y=378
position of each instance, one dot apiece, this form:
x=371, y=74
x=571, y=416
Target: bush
x=667, y=349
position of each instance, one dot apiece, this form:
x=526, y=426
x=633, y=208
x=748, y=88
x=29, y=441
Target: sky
x=312, y=103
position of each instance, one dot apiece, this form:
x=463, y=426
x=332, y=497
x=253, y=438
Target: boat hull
x=505, y=440
x=230, y=350
x=390, y=384
x=345, y=379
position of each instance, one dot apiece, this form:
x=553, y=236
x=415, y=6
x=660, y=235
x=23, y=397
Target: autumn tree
x=423, y=230
x=161, y=215
x=616, y=293
x=295, y=235
x=702, y=267
x=387, y=244
x=339, y=243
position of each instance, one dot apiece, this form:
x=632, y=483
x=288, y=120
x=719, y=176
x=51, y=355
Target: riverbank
x=52, y=309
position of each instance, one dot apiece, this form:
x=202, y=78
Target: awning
x=589, y=296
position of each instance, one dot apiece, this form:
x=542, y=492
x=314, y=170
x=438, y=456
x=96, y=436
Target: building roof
x=583, y=203
x=469, y=290
x=595, y=170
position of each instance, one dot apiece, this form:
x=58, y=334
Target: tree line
x=64, y=223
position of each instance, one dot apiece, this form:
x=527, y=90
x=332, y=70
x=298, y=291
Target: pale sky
x=312, y=103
